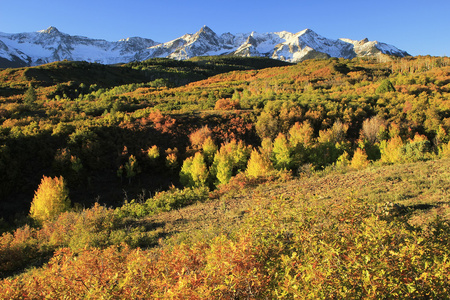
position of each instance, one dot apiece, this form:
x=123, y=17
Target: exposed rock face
x=35, y=48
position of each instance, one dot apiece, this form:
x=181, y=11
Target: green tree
x=131, y=167
x=343, y=161
x=75, y=164
x=385, y=86
x=30, y=96
x=222, y=167
x=238, y=153
x=194, y=171
x=209, y=149
x=231, y=159
x=266, y=126
x=282, y=153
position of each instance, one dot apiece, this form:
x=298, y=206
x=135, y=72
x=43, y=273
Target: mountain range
x=49, y=45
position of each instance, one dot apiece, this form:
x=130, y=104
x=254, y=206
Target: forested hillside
x=75, y=113
x=86, y=121
x=324, y=179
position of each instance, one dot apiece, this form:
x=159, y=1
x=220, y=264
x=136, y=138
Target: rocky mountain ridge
x=44, y=46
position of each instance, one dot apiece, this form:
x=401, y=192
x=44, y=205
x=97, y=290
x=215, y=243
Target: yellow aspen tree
x=359, y=160
x=153, y=153
x=172, y=158
x=50, y=199
x=194, y=171
x=282, y=153
x=444, y=150
x=258, y=165
x=301, y=135
x=391, y=150
x=209, y=149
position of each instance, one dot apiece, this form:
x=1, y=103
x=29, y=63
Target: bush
x=163, y=202
x=227, y=104
x=176, y=199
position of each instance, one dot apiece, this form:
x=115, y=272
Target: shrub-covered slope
x=380, y=232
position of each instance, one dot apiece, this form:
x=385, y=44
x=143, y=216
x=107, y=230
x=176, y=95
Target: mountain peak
x=206, y=29
x=51, y=30
x=306, y=31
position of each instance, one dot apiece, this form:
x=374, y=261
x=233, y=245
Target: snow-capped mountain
x=35, y=48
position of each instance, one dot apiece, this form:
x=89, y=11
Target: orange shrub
x=227, y=104
x=199, y=136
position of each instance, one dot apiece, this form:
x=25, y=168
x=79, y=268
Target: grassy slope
x=420, y=190
x=320, y=225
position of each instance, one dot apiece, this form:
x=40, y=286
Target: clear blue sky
x=418, y=27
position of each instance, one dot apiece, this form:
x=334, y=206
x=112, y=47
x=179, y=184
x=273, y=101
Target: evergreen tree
x=385, y=86
x=30, y=96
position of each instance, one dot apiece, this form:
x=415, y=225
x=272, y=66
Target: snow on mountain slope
x=50, y=45
x=204, y=42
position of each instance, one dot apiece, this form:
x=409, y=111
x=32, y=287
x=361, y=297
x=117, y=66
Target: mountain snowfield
x=44, y=46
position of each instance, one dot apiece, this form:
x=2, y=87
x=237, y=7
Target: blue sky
x=418, y=27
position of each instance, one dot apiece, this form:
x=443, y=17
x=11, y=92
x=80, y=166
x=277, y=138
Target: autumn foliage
x=155, y=143
x=50, y=199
